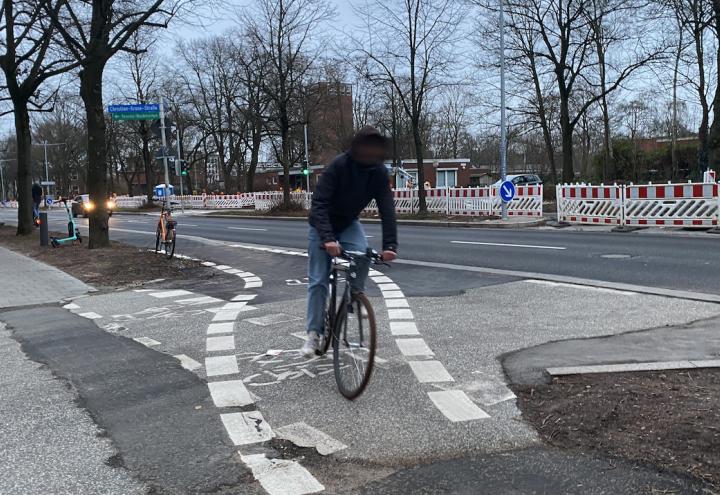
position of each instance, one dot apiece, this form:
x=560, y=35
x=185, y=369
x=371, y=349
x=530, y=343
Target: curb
x=417, y=223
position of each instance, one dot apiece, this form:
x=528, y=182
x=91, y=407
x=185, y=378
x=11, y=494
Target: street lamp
x=45, y=145
x=503, y=126
x=2, y=176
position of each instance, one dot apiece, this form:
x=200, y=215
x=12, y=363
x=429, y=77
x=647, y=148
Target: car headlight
x=110, y=205
x=89, y=206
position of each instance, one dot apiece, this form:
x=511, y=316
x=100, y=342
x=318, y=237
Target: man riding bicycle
x=345, y=188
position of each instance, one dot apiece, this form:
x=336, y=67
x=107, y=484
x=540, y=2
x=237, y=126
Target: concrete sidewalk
x=26, y=281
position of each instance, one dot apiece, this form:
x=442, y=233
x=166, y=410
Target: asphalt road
x=682, y=262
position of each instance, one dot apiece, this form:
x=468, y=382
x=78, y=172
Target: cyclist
x=36, y=197
x=345, y=188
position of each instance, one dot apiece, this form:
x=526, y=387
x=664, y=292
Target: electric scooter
x=73, y=231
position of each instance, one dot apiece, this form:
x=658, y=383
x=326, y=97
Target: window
x=402, y=180
x=446, y=178
x=74, y=175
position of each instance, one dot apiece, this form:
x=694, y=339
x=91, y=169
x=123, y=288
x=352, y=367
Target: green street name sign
x=135, y=116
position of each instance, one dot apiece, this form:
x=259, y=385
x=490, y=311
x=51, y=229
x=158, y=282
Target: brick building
x=330, y=121
x=446, y=172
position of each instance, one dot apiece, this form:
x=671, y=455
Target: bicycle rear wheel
x=170, y=243
x=355, y=338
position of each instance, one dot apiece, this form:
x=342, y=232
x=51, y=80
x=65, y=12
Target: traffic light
x=184, y=168
x=305, y=169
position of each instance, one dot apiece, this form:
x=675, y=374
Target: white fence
x=682, y=205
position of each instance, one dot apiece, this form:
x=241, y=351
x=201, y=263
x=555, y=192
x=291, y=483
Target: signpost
x=151, y=111
x=49, y=201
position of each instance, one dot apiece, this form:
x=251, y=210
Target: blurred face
x=369, y=154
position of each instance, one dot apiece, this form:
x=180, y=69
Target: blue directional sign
x=507, y=191
x=49, y=201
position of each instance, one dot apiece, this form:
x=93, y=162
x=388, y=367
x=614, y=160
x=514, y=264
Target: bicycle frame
x=165, y=218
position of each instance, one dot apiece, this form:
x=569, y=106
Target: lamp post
x=45, y=145
x=503, y=125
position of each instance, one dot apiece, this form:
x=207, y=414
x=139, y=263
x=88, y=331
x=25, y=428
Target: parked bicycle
x=165, y=235
x=350, y=325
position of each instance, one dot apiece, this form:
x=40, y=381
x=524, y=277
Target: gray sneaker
x=311, y=345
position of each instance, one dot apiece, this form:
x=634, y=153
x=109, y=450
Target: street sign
x=507, y=191
x=47, y=183
x=49, y=201
x=135, y=112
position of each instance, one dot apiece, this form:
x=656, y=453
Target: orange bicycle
x=165, y=234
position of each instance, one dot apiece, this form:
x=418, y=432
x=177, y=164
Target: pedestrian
x=344, y=190
x=36, y=197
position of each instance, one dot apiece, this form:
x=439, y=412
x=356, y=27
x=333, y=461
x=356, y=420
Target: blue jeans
x=319, y=264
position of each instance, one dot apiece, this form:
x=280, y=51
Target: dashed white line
x=187, y=362
x=215, y=328
x=246, y=428
x=244, y=297
x=90, y=315
x=71, y=306
x=226, y=315
x=457, y=406
x=396, y=303
x=221, y=365
x=223, y=343
x=382, y=280
x=230, y=393
x=413, y=347
x=393, y=294
x=403, y=328
x=304, y=435
x=247, y=228
x=400, y=314
x=146, y=341
x=282, y=477
x=170, y=293
x=529, y=246
x=387, y=287
x=430, y=371
x=197, y=301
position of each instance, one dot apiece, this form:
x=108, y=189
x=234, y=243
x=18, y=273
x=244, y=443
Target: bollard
x=43, y=228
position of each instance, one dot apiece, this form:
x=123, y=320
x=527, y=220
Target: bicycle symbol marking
x=285, y=365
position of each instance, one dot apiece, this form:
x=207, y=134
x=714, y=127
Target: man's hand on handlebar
x=333, y=248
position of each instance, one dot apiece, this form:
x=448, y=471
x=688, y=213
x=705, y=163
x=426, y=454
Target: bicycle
x=350, y=326
x=165, y=233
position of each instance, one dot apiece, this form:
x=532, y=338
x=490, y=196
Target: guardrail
x=683, y=205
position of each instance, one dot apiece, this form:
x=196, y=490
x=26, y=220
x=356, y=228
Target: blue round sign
x=49, y=201
x=507, y=191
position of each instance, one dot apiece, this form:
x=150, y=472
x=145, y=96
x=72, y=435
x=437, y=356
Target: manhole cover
x=615, y=256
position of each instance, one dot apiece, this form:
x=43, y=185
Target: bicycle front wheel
x=170, y=243
x=355, y=338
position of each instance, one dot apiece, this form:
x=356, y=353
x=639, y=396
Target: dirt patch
x=669, y=419
x=117, y=267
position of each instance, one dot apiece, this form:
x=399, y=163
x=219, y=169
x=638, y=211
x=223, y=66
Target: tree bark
x=254, y=157
x=568, y=174
x=713, y=144
x=24, y=168
x=91, y=94
x=422, y=207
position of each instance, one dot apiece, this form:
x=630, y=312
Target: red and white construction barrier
x=588, y=204
x=680, y=205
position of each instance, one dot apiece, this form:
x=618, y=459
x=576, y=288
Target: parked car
x=522, y=180
x=82, y=206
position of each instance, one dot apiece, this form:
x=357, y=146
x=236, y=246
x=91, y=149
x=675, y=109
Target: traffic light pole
x=179, y=157
x=307, y=161
x=166, y=196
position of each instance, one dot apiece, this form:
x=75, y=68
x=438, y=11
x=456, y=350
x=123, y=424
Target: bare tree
x=284, y=29
x=714, y=131
x=93, y=32
x=28, y=60
x=409, y=45
x=453, y=119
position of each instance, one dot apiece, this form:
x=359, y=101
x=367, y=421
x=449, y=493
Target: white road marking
x=245, y=274
x=253, y=285
x=197, y=301
x=581, y=287
x=457, y=406
x=396, y=303
x=90, y=315
x=222, y=267
x=387, y=287
x=215, y=328
x=71, y=306
x=232, y=271
x=187, y=362
x=413, y=347
x=231, y=393
x=183, y=224
x=275, y=319
x=430, y=371
x=393, y=294
x=382, y=280
x=247, y=228
x=224, y=343
x=208, y=263
x=244, y=297
x=170, y=293
x=529, y=246
x=146, y=341
x=226, y=315
x=304, y=435
x=403, y=328
x=252, y=279
x=400, y=314
x=221, y=365
x=245, y=428
x=281, y=477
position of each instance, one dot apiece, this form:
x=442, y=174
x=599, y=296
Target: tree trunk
x=254, y=158
x=674, y=129
x=713, y=150
x=422, y=209
x=91, y=94
x=566, y=128
x=24, y=168
x=147, y=160
x=285, y=140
